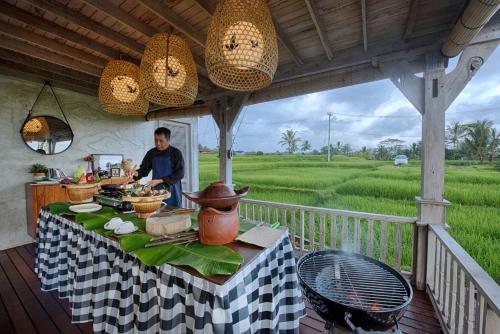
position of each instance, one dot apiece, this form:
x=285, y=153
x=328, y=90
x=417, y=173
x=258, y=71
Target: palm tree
x=478, y=137
x=306, y=146
x=454, y=133
x=494, y=143
x=290, y=140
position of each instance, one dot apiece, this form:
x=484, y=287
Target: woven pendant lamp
x=241, y=52
x=168, y=71
x=119, y=91
x=35, y=129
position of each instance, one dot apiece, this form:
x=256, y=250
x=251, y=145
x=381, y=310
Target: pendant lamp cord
x=47, y=83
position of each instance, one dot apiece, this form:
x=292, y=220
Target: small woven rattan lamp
x=168, y=71
x=119, y=91
x=35, y=129
x=241, y=52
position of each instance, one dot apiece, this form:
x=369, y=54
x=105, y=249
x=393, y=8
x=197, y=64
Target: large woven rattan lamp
x=241, y=52
x=168, y=71
x=119, y=91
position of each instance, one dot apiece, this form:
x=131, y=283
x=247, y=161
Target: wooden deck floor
x=25, y=309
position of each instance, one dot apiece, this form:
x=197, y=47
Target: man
x=167, y=164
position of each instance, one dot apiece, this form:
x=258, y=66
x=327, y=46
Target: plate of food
x=87, y=207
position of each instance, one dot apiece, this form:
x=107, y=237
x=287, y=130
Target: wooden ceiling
x=70, y=41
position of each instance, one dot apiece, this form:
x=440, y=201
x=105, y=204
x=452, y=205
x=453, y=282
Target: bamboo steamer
x=81, y=193
x=144, y=206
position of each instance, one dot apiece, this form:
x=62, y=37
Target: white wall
x=95, y=132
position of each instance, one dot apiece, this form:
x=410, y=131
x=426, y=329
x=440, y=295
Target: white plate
x=89, y=207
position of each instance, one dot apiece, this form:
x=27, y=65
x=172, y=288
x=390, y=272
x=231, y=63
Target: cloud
x=363, y=114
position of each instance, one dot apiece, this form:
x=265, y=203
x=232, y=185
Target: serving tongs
x=177, y=239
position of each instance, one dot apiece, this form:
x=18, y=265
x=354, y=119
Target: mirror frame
x=49, y=116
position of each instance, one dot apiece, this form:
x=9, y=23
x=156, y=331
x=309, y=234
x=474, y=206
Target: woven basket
x=241, y=52
x=119, y=91
x=81, y=193
x=170, y=81
x=145, y=206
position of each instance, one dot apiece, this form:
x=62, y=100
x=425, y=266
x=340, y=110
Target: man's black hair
x=163, y=131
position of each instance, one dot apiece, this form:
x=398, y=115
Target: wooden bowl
x=81, y=193
x=145, y=206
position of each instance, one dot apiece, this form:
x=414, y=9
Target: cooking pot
x=218, y=227
x=217, y=195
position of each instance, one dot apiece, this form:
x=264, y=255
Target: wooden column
x=431, y=96
x=431, y=205
x=225, y=111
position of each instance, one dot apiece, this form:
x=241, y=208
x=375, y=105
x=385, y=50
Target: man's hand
x=130, y=174
x=154, y=183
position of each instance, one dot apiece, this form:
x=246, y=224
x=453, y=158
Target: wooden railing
x=388, y=238
x=464, y=295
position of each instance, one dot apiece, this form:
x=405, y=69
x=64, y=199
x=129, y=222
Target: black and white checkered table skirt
x=121, y=295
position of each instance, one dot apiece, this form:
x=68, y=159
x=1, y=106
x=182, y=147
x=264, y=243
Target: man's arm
x=178, y=169
x=146, y=166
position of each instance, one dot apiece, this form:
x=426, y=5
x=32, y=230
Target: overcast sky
x=363, y=114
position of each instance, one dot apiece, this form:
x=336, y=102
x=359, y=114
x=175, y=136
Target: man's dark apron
x=162, y=167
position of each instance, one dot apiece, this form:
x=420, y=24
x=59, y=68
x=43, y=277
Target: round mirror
x=47, y=134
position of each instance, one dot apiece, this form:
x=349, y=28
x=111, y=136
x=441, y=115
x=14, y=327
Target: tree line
x=478, y=140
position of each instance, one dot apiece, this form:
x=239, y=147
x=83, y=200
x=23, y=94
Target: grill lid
x=354, y=281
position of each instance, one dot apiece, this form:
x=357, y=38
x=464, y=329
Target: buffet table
x=119, y=294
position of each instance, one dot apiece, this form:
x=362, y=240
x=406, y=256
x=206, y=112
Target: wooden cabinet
x=38, y=195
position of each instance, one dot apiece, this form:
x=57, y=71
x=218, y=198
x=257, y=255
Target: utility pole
x=329, y=121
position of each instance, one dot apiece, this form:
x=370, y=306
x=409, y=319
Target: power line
x=329, y=133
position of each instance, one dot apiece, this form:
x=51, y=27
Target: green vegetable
x=78, y=172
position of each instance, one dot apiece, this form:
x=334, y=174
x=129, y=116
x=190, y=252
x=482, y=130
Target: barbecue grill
x=353, y=291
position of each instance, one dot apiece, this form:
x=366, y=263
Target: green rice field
x=375, y=187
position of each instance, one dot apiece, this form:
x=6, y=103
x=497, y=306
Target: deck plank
x=52, y=307
x=20, y=299
x=17, y=315
x=5, y=323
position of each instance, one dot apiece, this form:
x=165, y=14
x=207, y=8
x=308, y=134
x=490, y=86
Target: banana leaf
x=207, y=260
x=134, y=241
x=95, y=220
x=60, y=208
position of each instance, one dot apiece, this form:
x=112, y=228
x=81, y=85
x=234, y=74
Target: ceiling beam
x=48, y=43
x=87, y=23
x=313, y=12
x=287, y=44
x=37, y=22
x=363, y=25
x=56, y=69
x=410, y=22
x=173, y=113
x=207, y=5
x=132, y=22
x=357, y=56
x=40, y=76
x=110, y=9
x=173, y=19
x=33, y=51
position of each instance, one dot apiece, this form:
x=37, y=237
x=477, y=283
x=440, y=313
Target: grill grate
x=353, y=281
